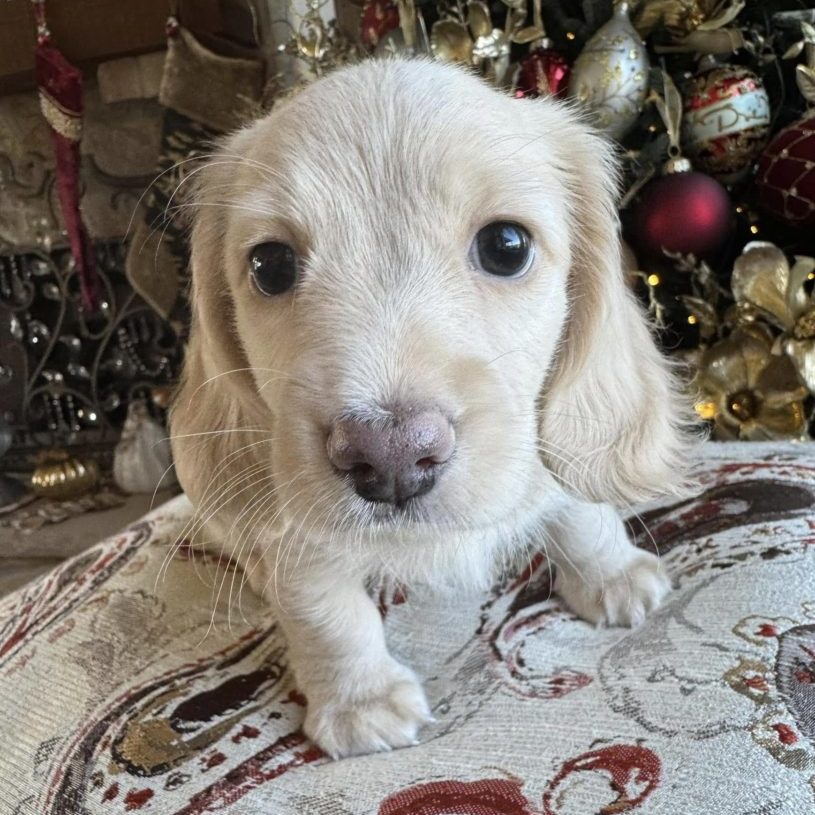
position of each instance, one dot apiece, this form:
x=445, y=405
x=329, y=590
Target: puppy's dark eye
x=502, y=248
x=273, y=267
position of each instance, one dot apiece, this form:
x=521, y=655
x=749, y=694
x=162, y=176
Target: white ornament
x=610, y=76
x=726, y=121
x=142, y=458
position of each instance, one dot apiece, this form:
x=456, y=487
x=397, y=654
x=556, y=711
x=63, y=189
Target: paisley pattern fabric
x=136, y=681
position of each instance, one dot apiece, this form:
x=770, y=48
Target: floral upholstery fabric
x=131, y=683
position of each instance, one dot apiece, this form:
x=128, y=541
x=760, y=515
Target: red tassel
x=60, y=87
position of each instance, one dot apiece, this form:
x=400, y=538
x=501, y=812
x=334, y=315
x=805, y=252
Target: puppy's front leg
x=360, y=699
x=601, y=575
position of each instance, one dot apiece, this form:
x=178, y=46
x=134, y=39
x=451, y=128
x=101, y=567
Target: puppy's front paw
x=618, y=598
x=382, y=717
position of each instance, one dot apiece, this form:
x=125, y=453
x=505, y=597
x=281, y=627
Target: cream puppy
x=413, y=354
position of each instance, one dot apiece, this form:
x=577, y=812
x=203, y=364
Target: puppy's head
x=408, y=286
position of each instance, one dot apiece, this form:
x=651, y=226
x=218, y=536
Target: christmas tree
x=712, y=105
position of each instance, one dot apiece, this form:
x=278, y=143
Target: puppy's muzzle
x=395, y=459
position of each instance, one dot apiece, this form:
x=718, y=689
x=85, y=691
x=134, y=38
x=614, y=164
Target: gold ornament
x=532, y=35
x=747, y=391
x=669, y=107
x=762, y=278
x=610, y=76
x=61, y=476
x=683, y=17
x=451, y=41
x=320, y=45
x=478, y=42
x=719, y=42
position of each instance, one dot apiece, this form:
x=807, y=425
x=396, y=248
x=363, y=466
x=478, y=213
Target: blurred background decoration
x=107, y=108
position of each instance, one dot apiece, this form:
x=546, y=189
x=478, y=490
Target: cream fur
x=380, y=175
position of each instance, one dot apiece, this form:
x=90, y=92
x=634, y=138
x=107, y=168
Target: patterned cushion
x=128, y=685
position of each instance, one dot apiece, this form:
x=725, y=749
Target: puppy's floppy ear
x=216, y=397
x=214, y=340
x=613, y=425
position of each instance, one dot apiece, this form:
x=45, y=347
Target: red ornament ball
x=682, y=212
x=786, y=174
x=544, y=72
x=379, y=17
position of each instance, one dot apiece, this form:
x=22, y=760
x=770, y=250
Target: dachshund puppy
x=413, y=354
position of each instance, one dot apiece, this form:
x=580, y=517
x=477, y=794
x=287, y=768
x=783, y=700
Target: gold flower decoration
x=683, y=17
x=762, y=279
x=459, y=42
x=477, y=41
x=749, y=392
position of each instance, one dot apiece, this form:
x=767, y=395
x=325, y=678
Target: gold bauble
x=61, y=476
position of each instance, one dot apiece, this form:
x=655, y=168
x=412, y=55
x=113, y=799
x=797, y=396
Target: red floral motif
x=136, y=799
x=111, y=792
x=786, y=735
x=634, y=773
x=522, y=673
x=491, y=796
x=214, y=760
x=295, y=698
x=756, y=682
x=246, y=732
x=253, y=773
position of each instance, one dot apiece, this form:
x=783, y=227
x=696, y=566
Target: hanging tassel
x=60, y=90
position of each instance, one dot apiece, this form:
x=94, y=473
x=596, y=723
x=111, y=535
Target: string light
x=653, y=280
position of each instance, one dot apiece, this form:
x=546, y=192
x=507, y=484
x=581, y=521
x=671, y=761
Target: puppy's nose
x=393, y=460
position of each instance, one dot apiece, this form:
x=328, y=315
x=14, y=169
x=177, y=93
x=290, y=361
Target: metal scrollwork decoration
x=66, y=375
